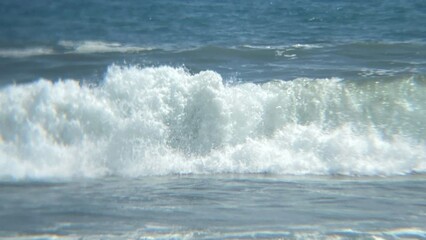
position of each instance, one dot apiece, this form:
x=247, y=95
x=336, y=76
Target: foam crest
x=285, y=47
x=25, y=52
x=164, y=120
x=86, y=47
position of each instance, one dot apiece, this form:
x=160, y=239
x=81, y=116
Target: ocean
x=212, y=119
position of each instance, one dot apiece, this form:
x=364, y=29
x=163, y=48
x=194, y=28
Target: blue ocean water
x=212, y=119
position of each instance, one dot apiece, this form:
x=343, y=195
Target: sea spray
x=164, y=120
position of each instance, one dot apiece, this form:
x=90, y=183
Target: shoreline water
x=217, y=207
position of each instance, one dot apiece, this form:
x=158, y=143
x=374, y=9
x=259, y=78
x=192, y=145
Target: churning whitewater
x=165, y=120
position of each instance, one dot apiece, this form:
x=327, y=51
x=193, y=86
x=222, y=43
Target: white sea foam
x=307, y=46
x=173, y=232
x=78, y=47
x=25, y=52
x=285, y=47
x=99, y=47
x=156, y=121
x=287, y=51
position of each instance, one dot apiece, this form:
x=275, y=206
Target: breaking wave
x=71, y=47
x=164, y=120
x=25, y=52
x=85, y=47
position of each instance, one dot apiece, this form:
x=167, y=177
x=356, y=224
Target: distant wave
x=285, y=47
x=25, y=52
x=164, y=120
x=287, y=51
x=99, y=47
x=78, y=47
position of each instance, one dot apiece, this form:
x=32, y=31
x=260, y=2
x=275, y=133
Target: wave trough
x=164, y=120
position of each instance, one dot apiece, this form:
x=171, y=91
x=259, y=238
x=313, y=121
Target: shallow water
x=216, y=207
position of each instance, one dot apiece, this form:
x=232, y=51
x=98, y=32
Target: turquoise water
x=212, y=119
